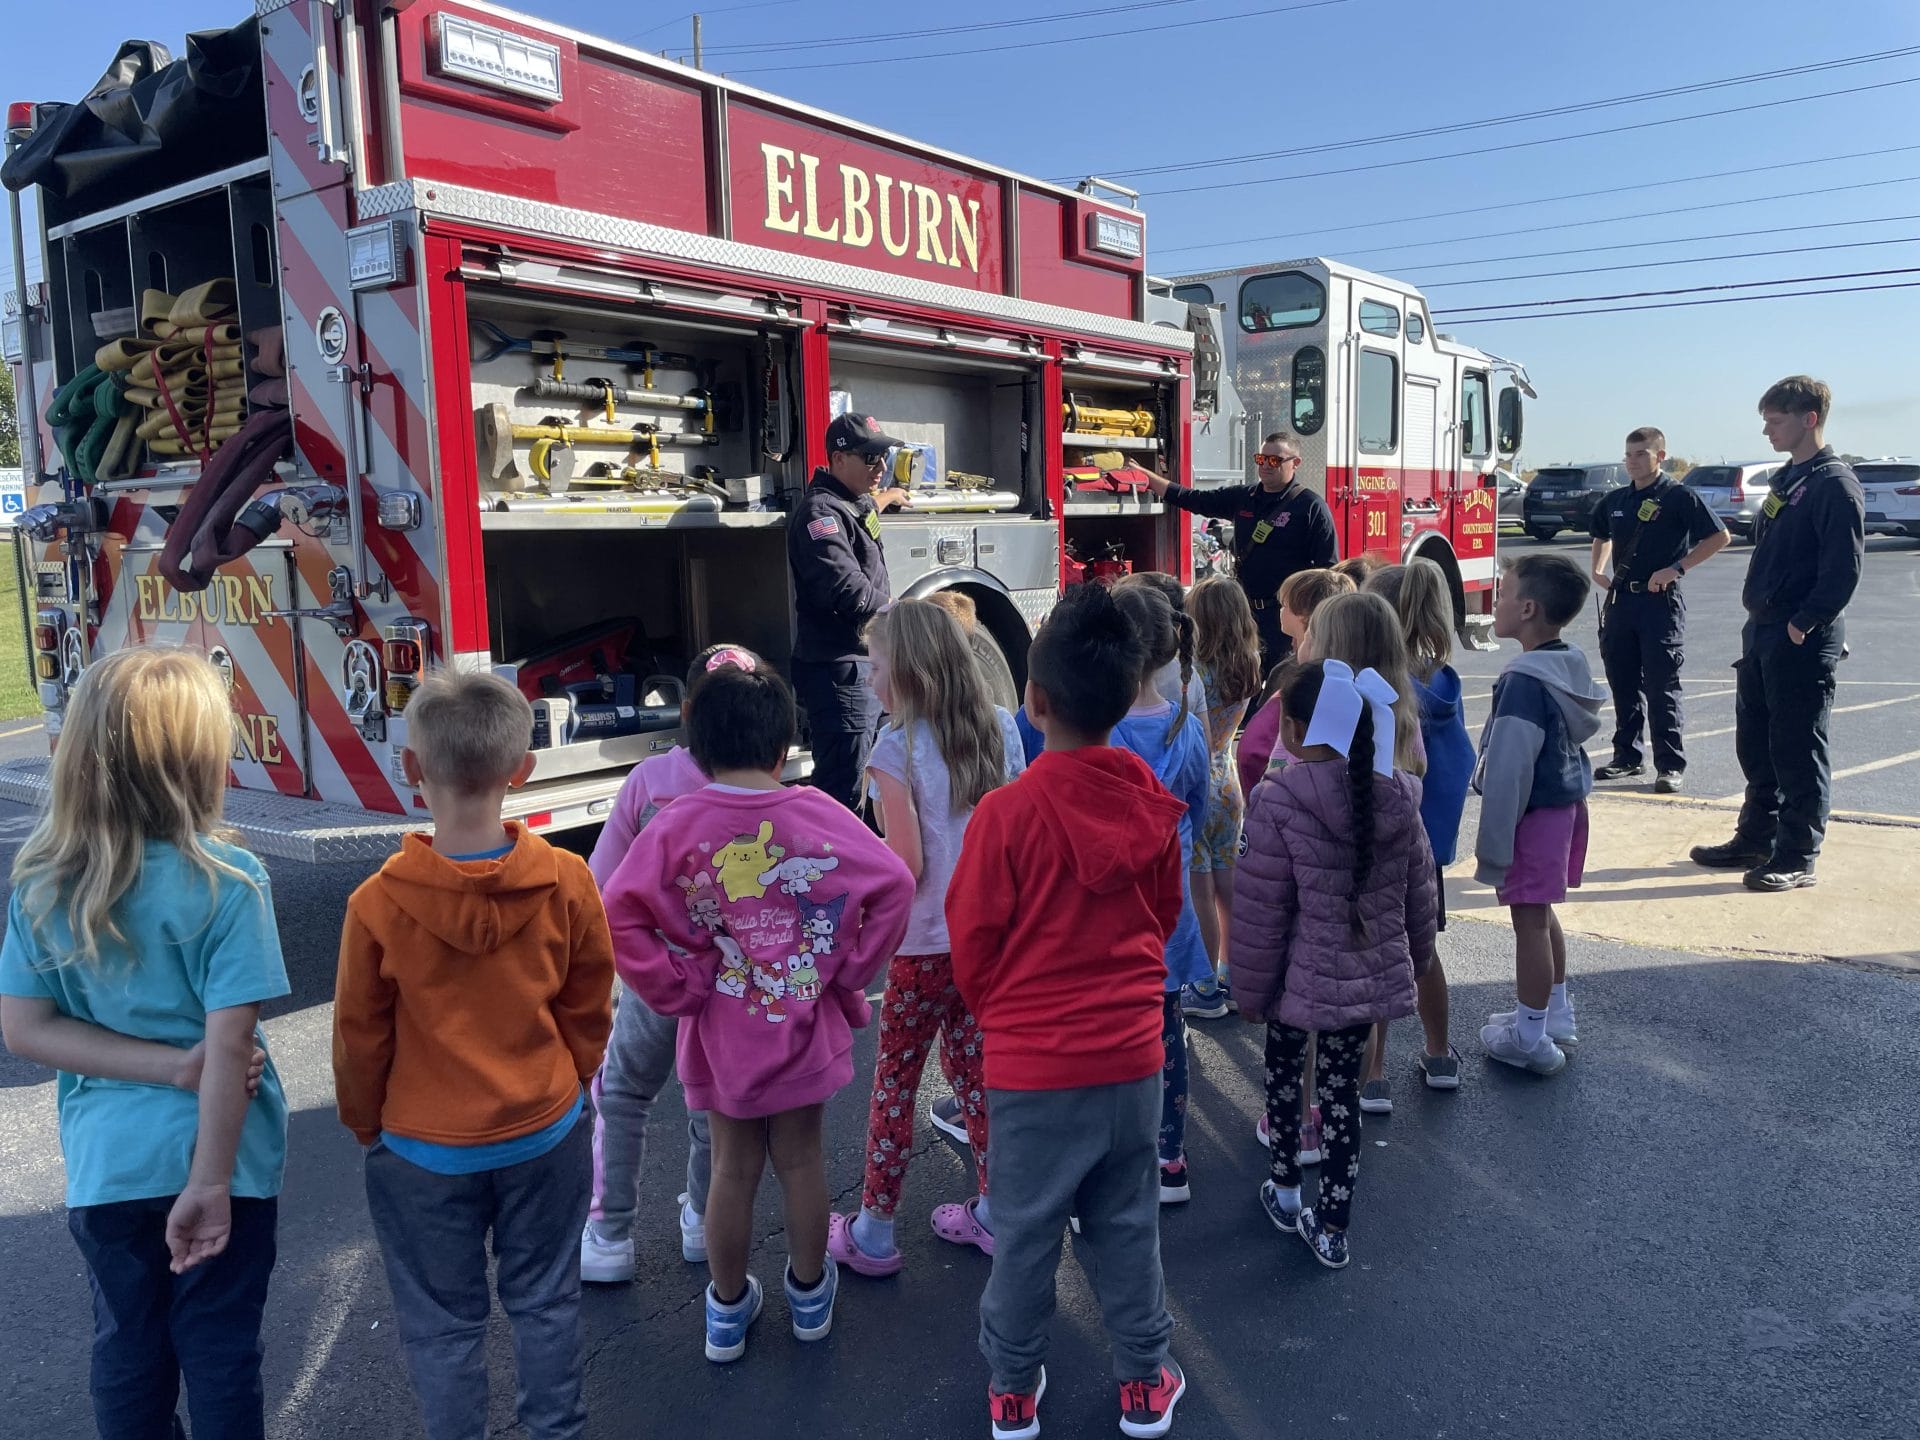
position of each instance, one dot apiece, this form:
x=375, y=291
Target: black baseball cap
x=861, y=434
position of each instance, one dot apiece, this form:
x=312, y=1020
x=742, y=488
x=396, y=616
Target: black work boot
x=1619, y=770
x=1736, y=854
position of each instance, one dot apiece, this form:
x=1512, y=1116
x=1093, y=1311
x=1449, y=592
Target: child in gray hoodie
x=1533, y=780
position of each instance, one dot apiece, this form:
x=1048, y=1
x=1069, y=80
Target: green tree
x=9, y=421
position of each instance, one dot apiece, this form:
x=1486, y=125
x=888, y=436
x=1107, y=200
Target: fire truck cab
x=426, y=333
x=1400, y=425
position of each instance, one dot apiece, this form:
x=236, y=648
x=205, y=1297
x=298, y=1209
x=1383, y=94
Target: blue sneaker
x=727, y=1324
x=1205, y=1001
x=813, y=1309
x=1286, y=1220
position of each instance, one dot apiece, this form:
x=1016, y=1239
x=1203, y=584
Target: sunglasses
x=1268, y=462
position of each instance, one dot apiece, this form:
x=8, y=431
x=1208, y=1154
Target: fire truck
x=1399, y=423
x=378, y=335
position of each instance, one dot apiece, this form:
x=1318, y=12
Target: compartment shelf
x=1113, y=506
x=588, y=518
x=1074, y=439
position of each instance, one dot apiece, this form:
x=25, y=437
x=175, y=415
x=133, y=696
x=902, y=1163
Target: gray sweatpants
x=433, y=1236
x=1094, y=1153
x=640, y=1055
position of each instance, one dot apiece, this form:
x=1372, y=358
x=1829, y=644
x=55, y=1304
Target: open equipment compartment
x=633, y=468
x=1117, y=420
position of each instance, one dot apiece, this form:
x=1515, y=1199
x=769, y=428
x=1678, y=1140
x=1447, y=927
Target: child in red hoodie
x=1068, y=885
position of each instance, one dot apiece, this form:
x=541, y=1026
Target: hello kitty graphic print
x=759, y=917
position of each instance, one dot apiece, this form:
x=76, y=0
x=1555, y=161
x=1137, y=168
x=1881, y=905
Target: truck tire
x=1543, y=533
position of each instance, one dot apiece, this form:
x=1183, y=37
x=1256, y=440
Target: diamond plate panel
x=1033, y=605
x=269, y=7
x=588, y=227
x=268, y=824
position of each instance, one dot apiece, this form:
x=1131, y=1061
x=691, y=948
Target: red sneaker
x=1016, y=1414
x=1146, y=1406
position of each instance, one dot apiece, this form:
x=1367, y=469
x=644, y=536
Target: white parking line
x=1837, y=710
x=1872, y=765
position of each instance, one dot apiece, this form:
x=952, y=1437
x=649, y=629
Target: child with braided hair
x=1333, y=916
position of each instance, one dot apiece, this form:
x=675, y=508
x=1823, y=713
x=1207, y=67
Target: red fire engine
x=422, y=333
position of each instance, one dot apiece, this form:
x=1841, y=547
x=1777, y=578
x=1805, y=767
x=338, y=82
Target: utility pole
x=696, y=43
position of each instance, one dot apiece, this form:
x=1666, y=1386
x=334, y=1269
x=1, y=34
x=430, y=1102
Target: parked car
x=1734, y=492
x=1892, y=489
x=1513, y=498
x=1562, y=497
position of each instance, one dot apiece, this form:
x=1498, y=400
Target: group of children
x=1051, y=895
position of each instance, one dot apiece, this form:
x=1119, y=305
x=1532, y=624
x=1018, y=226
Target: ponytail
x=1360, y=790
x=1183, y=625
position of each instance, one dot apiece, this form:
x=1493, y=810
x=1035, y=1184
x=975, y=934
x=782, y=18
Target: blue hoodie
x=1182, y=764
x=1545, y=708
x=1443, y=730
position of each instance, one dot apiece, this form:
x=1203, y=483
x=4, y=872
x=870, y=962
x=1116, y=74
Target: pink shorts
x=1549, y=856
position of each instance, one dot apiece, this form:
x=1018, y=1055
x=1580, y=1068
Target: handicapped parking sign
x=13, y=495
x=12, y=504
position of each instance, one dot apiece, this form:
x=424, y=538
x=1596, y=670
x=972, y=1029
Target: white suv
x=1892, y=489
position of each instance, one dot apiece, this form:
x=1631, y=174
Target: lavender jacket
x=1293, y=955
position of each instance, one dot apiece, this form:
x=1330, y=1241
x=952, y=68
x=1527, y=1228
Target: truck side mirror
x=1511, y=421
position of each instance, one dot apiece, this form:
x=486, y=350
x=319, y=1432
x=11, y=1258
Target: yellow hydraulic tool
x=1084, y=419
x=498, y=431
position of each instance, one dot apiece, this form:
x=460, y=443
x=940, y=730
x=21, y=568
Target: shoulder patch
x=823, y=527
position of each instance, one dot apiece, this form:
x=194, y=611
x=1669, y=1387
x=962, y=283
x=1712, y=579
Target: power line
x=1542, y=200
x=1658, y=264
x=1609, y=102
x=706, y=10
x=868, y=62
x=1690, y=304
x=761, y=47
x=1532, y=144
x=1684, y=290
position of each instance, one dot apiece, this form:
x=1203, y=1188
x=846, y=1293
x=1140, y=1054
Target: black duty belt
x=1638, y=587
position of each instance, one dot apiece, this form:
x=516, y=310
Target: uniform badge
x=1261, y=532
x=823, y=527
x=873, y=523
x=1772, y=506
x=1648, y=509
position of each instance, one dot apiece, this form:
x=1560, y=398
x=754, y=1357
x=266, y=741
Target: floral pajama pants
x=920, y=1003
x=1337, y=1088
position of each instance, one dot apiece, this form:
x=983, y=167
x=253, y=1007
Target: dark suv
x=1562, y=497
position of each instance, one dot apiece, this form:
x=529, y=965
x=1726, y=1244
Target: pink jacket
x=758, y=917
x=649, y=786
x=1294, y=957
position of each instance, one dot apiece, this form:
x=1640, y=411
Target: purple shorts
x=1549, y=856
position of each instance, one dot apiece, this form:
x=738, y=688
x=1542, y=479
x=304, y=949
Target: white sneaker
x=1561, y=1027
x=605, y=1262
x=1502, y=1042
x=693, y=1236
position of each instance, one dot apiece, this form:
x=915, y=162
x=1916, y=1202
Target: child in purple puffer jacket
x=1334, y=914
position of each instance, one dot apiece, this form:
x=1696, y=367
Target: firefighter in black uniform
x=839, y=584
x=1808, y=544
x=1279, y=527
x=1657, y=530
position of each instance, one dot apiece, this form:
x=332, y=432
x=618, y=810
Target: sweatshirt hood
x=1439, y=697
x=474, y=906
x=1569, y=680
x=1097, y=804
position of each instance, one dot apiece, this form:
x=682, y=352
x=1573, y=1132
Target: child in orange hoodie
x=472, y=1008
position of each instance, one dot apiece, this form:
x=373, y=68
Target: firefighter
x=1657, y=530
x=1808, y=544
x=839, y=584
x=1279, y=526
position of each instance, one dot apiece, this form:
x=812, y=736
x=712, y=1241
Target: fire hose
x=210, y=529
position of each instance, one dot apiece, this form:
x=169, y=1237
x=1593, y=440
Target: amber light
x=47, y=667
x=399, y=690
x=401, y=655
x=46, y=637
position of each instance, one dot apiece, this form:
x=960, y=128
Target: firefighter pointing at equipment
x=1279, y=526
x=839, y=584
x=1657, y=529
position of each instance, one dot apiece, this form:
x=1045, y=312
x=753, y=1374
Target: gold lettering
x=189, y=608
x=855, y=189
x=143, y=596
x=814, y=230
x=269, y=746
x=779, y=189
x=885, y=182
x=236, y=600
x=242, y=740
x=929, y=208
x=964, y=233
x=260, y=598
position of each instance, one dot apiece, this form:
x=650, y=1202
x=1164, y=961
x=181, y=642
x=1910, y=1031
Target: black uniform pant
x=1274, y=645
x=1780, y=712
x=1640, y=646
x=842, y=716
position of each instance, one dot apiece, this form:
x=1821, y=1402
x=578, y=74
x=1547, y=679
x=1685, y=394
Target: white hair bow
x=1336, y=714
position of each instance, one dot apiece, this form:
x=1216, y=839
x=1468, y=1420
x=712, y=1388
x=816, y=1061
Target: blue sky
x=1102, y=95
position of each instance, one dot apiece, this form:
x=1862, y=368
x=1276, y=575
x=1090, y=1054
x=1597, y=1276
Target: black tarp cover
x=151, y=121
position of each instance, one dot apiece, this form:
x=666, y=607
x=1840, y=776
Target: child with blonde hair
x=139, y=948
x=1226, y=655
x=1301, y=594
x=945, y=747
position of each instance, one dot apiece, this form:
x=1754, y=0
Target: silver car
x=1734, y=492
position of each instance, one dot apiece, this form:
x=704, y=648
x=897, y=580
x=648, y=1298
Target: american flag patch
x=823, y=527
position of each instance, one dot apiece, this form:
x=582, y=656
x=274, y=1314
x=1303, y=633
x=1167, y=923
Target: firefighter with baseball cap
x=839, y=584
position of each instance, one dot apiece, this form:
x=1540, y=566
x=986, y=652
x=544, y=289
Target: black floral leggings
x=1337, y=1089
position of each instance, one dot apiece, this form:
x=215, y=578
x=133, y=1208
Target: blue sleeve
x=20, y=957
x=1326, y=541
x=240, y=961
x=1701, y=522
x=1197, y=773
x=1032, y=742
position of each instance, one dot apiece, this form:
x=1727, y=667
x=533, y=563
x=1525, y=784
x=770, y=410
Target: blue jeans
x=1173, y=1081
x=151, y=1327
